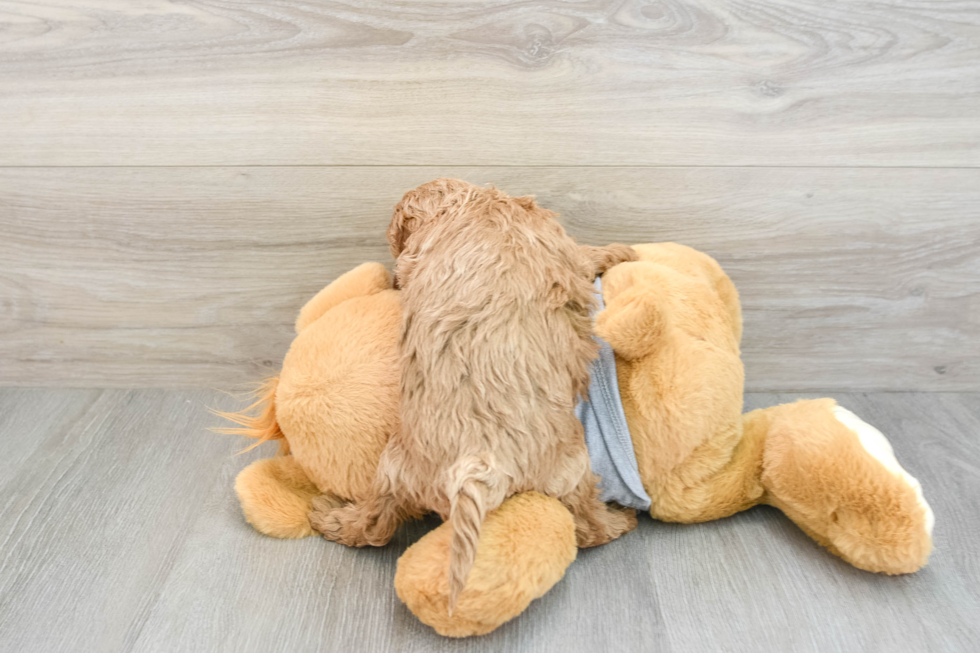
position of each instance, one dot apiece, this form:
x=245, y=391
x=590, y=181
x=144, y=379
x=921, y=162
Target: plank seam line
x=490, y=165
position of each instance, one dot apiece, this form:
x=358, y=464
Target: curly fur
x=494, y=349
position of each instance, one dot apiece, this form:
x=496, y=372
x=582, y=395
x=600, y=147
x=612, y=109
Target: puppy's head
x=444, y=198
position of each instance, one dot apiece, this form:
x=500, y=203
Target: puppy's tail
x=474, y=490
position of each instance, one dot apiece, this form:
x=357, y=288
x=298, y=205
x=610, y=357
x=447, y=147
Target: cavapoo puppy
x=495, y=347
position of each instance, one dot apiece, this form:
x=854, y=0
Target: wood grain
x=487, y=82
x=92, y=518
x=850, y=278
x=121, y=532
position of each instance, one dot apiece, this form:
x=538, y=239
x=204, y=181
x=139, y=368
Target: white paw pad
x=876, y=444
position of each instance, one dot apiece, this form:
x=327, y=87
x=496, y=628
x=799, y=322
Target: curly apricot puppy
x=495, y=347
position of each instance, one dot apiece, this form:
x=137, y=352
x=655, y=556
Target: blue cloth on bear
x=606, y=433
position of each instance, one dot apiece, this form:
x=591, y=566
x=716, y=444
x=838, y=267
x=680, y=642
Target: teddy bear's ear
x=633, y=322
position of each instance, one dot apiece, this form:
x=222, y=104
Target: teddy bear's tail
x=262, y=426
x=473, y=491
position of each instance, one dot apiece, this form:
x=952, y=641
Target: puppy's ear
x=399, y=230
x=527, y=202
x=420, y=206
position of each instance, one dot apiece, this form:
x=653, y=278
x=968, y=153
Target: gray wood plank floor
x=120, y=531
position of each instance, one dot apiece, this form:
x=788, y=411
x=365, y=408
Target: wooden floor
x=120, y=531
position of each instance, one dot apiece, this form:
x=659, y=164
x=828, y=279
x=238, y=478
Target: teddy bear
x=673, y=322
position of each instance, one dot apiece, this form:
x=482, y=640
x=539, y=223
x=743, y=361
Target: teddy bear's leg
x=276, y=496
x=365, y=279
x=525, y=547
x=837, y=478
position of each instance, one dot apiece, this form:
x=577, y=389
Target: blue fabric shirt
x=606, y=433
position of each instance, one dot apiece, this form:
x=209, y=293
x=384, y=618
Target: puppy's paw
x=619, y=253
x=336, y=523
x=623, y=519
x=609, y=523
x=324, y=503
x=606, y=257
x=321, y=507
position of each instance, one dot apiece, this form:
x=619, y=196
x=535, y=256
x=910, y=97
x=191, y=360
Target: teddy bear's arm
x=633, y=321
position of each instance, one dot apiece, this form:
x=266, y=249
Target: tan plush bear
x=674, y=321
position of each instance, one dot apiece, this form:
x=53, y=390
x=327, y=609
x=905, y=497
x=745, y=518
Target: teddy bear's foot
x=887, y=538
x=276, y=496
x=525, y=546
x=837, y=477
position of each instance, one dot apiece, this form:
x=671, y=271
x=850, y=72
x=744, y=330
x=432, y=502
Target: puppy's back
x=495, y=345
x=496, y=337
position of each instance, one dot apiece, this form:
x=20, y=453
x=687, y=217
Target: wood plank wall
x=177, y=178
